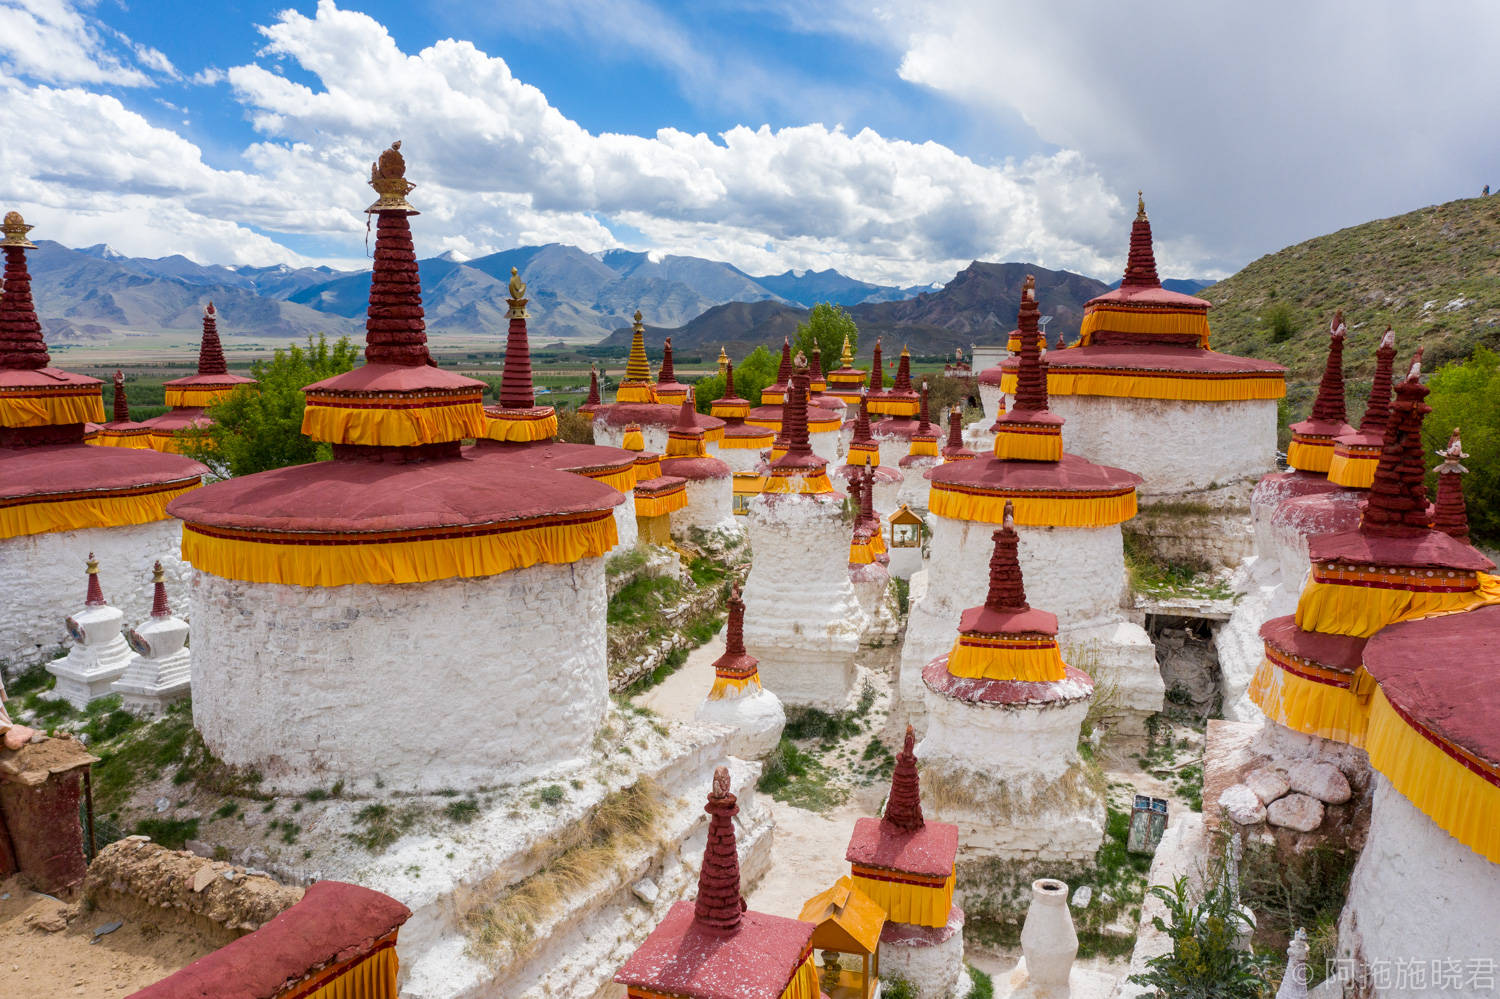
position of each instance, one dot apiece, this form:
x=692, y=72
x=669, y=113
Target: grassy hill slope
x=1433, y=274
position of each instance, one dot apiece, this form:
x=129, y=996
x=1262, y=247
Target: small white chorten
x=160, y=670
x=99, y=653
x=737, y=700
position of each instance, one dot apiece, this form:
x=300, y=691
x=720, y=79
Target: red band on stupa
x=159, y=606
x=903, y=809
x=210, y=350
x=516, y=391
x=1329, y=405
x=1398, y=497
x=95, y=595
x=395, y=332
x=719, y=907
x=21, y=343
x=1140, y=266
x=122, y=405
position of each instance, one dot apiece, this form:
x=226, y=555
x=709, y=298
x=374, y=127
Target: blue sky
x=894, y=143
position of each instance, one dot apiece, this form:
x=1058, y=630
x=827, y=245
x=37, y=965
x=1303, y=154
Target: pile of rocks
x=1292, y=797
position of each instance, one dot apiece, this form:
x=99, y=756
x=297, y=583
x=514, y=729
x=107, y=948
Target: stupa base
x=929, y=959
x=1296, y=521
x=1083, y=983
x=625, y=527
x=1206, y=529
x=1016, y=816
x=41, y=581
x=149, y=685
x=85, y=674
x=914, y=487
x=754, y=720
x=1238, y=643
x=710, y=509
x=872, y=588
x=1273, y=490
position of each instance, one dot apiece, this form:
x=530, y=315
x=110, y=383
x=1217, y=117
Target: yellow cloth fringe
x=336, y=424
x=1308, y=706
x=645, y=471
x=670, y=397
x=1032, y=511
x=713, y=435
x=660, y=504
x=1360, y=611
x=1352, y=471
x=48, y=516
x=621, y=480
x=1451, y=794
x=634, y=441
x=202, y=398
x=1012, y=445
x=749, y=484
x=138, y=441
x=864, y=454
x=924, y=449
x=813, y=426
x=635, y=392
x=730, y=410
x=747, y=443
x=519, y=431
x=85, y=406
x=1309, y=455
x=1062, y=381
x=728, y=688
x=1126, y=320
x=173, y=443
x=372, y=977
x=685, y=447
x=804, y=983
x=996, y=657
x=416, y=561
x=799, y=484
x=895, y=407
x=769, y=397
x=920, y=905
x=863, y=552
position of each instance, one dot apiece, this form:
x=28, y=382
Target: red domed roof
x=1071, y=474
x=52, y=471
x=1155, y=358
x=1074, y=686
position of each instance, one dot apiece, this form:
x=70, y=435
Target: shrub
x=1204, y=962
x=1467, y=396
x=1280, y=322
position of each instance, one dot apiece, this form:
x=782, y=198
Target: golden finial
x=388, y=177
x=637, y=325
x=723, y=360
x=904, y=351
x=93, y=565
x=1028, y=288
x=15, y=229
x=517, y=298
x=1140, y=206
x=847, y=360
x=158, y=574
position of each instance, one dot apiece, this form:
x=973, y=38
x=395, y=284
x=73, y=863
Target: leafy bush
x=574, y=427
x=1280, y=322
x=1467, y=396
x=751, y=375
x=827, y=326
x=1204, y=962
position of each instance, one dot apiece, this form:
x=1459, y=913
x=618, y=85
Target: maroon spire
x=210, y=351
x=516, y=389
x=866, y=481
x=593, y=399
x=395, y=332
x=719, y=906
x=95, y=595
x=734, y=632
x=784, y=372
x=794, y=413
x=729, y=380
x=862, y=421
x=122, y=405
x=1140, y=267
x=1329, y=405
x=665, y=374
x=903, y=373
x=1007, y=589
x=159, y=606
x=815, y=373
x=877, y=370
x=1059, y=343
x=955, y=428
x=1031, y=370
x=1397, y=506
x=1378, y=408
x=924, y=422
x=1450, y=515
x=21, y=343
x=903, y=809
x=687, y=416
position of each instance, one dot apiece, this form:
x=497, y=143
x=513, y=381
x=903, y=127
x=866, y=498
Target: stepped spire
x=637, y=369
x=862, y=433
x=794, y=414
x=729, y=380
x=903, y=372
x=924, y=422
x=719, y=907
x=954, y=447
x=877, y=370
x=1007, y=588
x=1140, y=266
x=1398, y=497
x=815, y=373
x=95, y=595
x=395, y=330
x=903, y=809
x=666, y=373
x=1059, y=343
x=784, y=372
x=1031, y=372
x=159, y=607
x=122, y=404
x=21, y=343
x=734, y=631
x=1329, y=405
x=1450, y=514
x=866, y=518
x=593, y=399
x=516, y=389
x=723, y=359
x=1378, y=408
x=846, y=360
x=687, y=415
x=210, y=350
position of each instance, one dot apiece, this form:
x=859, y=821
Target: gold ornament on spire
x=158, y=574
x=517, y=298
x=847, y=360
x=723, y=362
x=93, y=565
x=388, y=177
x=1140, y=206
x=15, y=229
x=637, y=325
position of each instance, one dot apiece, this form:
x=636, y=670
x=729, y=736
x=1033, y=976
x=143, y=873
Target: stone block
x=1243, y=806
x=1298, y=812
x=1268, y=783
x=1323, y=781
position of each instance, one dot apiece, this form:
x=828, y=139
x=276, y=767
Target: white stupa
x=99, y=653
x=160, y=671
x=737, y=699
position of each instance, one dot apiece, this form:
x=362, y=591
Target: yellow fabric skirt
x=660, y=504
x=729, y=411
x=997, y=657
x=1312, y=701
x=1310, y=454
x=895, y=407
x=1361, y=609
x=80, y=511
x=338, y=560
x=685, y=447
x=203, y=397
x=1351, y=470
x=864, y=551
x=635, y=392
x=747, y=443
x=50, y=409
x=1452, y=787
x=326, y=420
x=1102, y=317
x=907, y=898
x=620, y=480
x=370, y=977
x=1028, y=445
x=864, y=455
x=136, y=441
x=800, y=484
x=728, y=688
x=173, y=443
x=516, y=431
x=647, y=470
x=1084, y=510
x=923, y=449
x=634, y=440
x=1145, y=385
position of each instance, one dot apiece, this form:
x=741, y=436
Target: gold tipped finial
x=1028, y=288
x=800, y=361
x=1140, y=206
x=93, y=565
x=723, y=360
x=904, y=351
x=158, y=574
x=847, y=360
x=517, y=298
x=388, y=177
x=1010, y=516
x=637, y=325
x=15, y=229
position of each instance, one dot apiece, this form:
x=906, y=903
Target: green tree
x=826, y=326
x=1280, y=321
x=751, y=375
x=260, y=429
x=1467, y=396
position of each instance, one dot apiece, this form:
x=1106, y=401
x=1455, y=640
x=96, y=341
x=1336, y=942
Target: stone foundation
x=872, y=588
x=930, y=960
x=450, y=684
x=710, y=508
x=42, y=581
x=625, y=526
x=755, y=721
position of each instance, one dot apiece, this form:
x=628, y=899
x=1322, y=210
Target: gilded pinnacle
x=1140, y=206
x=517, y=298
x=637, y=325
x=15, y=229
x=388, y=178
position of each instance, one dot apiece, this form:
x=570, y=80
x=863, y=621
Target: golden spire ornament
x=1140, y=205
x=388, y=177
x=517, y=300
x=15, y=229
x=636, y=325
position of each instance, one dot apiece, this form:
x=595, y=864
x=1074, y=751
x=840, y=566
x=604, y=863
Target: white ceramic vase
x=1047, y=937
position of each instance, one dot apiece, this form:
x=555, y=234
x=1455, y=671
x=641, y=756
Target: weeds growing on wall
x=1205, y=961
x=1291, y=889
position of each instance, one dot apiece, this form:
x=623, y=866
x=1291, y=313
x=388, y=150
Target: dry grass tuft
x=948, y=792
